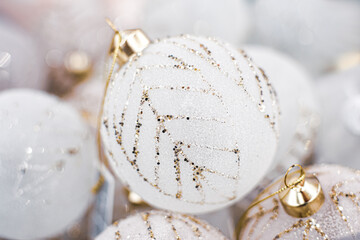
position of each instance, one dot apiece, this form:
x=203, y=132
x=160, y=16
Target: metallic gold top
x=300, y=194
x=132, y=42
x=304, y=199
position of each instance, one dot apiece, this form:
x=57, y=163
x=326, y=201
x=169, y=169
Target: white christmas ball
x=163, y=18
x=46, y=165
x=127, y=203
x=160, y=225
x=301, y=28
x=298, y=104
x=186, y=117
x=337, y=218
x=21, y=64
x=340, y=107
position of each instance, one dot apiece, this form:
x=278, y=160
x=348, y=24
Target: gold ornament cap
x=132, y=41
x=302, y=199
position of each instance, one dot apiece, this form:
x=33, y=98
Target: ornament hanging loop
x=116, y=42
x=306, y=189
x=109, y=22
x=304, y=197
x=124, y=45
x=300, y=180
x=131, y=42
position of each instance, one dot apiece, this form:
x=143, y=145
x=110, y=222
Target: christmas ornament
x=127, y=203
x=300, y=28
x=160, y=225
x=186, y=117
x=163, y=18
x=340, y=107
x=298, y=104
x=81, y=24
x=72, y=54
x=20, y=61
x=86, y=98
x=46, y=165
x=323, y=203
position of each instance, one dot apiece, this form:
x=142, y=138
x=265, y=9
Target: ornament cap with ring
x=300, y=195
x=304, y=198
x=131, y=42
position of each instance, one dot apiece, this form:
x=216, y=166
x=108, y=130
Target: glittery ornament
x=46, y=165
x=301, y=28
x=20, y=60
x=339, y=95
x=185, y=118
x=338, y=217
x=299, y=108
x=127, y=203
x=160, y=225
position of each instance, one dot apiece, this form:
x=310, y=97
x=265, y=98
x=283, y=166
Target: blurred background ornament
x=21, y=64
x=299, y=108
x=86, y=97
x=162, y=18
x=126, y=14
x=47, y=165
x=160, y=225
x=301, y=28
x=340, y=106
x=75, y=39
x=165, y=148
x=334, y=211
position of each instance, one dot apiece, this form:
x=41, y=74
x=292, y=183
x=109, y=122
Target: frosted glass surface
x=46, y=165
x=338, y=218
x=187, y=117
x=299, y=118
x=160, y=225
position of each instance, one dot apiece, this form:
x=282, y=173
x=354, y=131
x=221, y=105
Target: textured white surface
x=222, y=219
x=161, y=18
x=160, y=225
x=336, y=181
x=298, y=104
x=301, y=28
x=186, y=118
x=21, y=64
x=46, y=165
x=340, y=107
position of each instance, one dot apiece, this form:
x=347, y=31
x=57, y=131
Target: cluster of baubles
x=182, y=117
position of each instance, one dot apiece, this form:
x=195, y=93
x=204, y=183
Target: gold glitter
x=162, y=131
x=335, y=196
x=307, y=224
x=117, y=235
x=145, y=217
